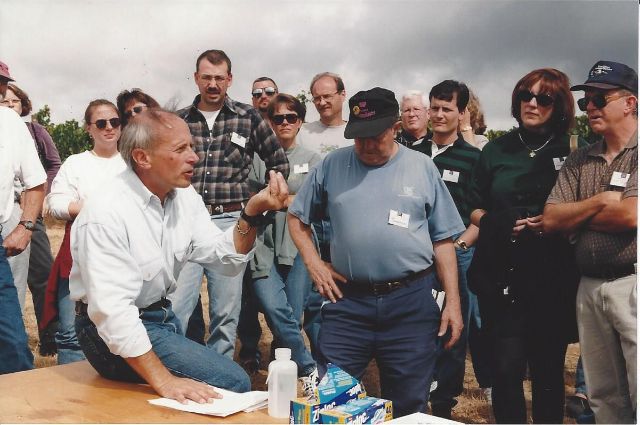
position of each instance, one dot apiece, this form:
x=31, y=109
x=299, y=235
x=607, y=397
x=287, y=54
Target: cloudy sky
x=65, y=53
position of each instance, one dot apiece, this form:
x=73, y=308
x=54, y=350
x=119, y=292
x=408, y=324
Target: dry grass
x=472, y=407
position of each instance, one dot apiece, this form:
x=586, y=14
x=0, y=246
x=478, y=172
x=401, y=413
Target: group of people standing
x=399, y=235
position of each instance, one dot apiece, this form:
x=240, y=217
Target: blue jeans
x=225, y=295
x=270, y=292
x=15, y=355
x=399, y=330
x=450, y=365
x=183, y=357
x=581, y=384
x=69, y=349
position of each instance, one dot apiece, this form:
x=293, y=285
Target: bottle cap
x=283, y=354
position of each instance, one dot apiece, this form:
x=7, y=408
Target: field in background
x=471, y=408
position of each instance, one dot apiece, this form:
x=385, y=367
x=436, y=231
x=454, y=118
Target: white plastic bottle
x=282, y=382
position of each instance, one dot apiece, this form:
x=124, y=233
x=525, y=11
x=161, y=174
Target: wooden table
x=75, y=393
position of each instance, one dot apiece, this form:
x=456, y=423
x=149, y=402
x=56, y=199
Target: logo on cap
x=600, y=69
x=356, y=110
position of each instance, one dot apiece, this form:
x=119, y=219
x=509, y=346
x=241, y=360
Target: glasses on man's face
x=135, y=110
x=268, y=91
x=599, y=100
x=325, y=97
x=219, y=79
x=541, y=98
x=290, y=118
x=11, y=102
x=102, y=124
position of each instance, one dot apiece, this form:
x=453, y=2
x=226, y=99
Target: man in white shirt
x=129, y=246
x=18, y=159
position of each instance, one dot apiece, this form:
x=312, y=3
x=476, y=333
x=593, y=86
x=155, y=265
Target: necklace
x=532, y=152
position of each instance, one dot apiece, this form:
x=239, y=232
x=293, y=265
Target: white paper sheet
x=230, y=403
x=421, y=418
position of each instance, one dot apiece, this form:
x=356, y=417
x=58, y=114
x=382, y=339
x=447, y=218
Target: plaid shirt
x=221, y=174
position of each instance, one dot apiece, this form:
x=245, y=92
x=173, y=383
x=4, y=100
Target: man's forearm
x=447, y=269
x=150, y=368
x=302, y=238
x=33, y=199
x=568, y=217
x=616, y=217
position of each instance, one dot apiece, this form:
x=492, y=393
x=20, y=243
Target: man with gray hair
x=129, y=246
x=414, y=115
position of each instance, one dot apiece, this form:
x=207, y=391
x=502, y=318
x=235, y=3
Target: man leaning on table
x=129, y=246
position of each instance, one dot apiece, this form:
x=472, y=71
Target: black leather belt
x=384, y=288
x=81, y=308
x=224, y=208
x=613, y=272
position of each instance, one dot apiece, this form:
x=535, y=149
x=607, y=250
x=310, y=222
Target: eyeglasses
x=279, y=119
x=599, y=100
x=269, y=91
x=541, y=98
x=135, y=110
x=102, y=124
x=325, y=97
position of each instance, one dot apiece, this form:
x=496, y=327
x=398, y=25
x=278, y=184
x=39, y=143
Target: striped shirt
x=456, y=165
x=226, y=152
x=585, y=174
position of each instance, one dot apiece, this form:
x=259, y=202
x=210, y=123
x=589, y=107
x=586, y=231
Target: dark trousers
x=516, y=343
x=40, y=262
x=399, y=330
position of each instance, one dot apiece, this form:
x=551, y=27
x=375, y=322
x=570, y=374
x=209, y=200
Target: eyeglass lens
x=102, y=124
x=291, y=118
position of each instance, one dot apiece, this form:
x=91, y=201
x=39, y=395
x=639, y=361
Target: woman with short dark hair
x=133, y=102
x=526, y=280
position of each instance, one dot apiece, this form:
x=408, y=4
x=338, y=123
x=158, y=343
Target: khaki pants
x=606, y=313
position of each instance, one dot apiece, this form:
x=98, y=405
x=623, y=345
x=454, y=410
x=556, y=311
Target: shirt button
x=206, y=191
x=208, y=172
x=210, y=155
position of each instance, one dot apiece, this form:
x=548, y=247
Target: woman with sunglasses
x=32, y=267
x=273, y=279
x=81, y=176
x=526, y=280
x=133, y=102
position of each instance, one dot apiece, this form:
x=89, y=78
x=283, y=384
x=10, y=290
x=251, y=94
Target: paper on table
x=421, y=419
x=229, y=403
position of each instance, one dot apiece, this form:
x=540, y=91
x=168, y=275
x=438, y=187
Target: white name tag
x=399, y=219
x=619, y=179
x=558, y=162
x=450, y=176
x=301, y=168
x=238, y=140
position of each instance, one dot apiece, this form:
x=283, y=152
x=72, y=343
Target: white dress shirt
x=18, y=159
x=128, y=251
x=79, y=176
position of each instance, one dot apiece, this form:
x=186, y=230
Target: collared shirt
x=407, y=139
x=128, y=250
x=456, y=163
x=585, y=174
x=225, y=153
x=385, y=218
x=18, y=159
x=81, y=175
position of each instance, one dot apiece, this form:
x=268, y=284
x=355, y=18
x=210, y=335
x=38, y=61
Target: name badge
x=450, y=176
x=558, y=162
x=301, y=168
x=238, y=140
x=619, y=179
x=399, y=219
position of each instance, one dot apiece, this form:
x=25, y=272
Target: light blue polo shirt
x=365, y=247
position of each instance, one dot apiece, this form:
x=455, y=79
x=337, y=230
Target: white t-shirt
x=79, y=176
x=321, y=138
x=18, y=159
x=210, y=117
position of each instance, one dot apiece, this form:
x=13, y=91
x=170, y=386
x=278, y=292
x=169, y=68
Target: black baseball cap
x=610, y=75
x=371, y=112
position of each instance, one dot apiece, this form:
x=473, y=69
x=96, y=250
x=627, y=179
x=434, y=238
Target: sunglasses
x=269, y=91
x=279, y=119
x=599, y=100
x=102, y=124
x=136, y=110
x=541, y=98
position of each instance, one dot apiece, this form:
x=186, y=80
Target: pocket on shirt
x=151, y=269
x=181, y=257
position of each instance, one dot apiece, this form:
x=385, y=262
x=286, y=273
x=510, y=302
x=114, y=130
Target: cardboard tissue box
x=335, y=388
x=367, y=410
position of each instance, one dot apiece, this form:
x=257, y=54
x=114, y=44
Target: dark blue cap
x=609, y=75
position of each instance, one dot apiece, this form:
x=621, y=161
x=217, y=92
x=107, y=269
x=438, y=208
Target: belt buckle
x=219, y=209
x=384, y=288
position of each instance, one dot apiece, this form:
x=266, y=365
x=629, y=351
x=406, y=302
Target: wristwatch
x=462, y=244
x=467, y=128
x=257, y=220
x=28, y=224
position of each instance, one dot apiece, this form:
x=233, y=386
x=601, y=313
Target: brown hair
x=335, y=77
x=93, y=105
x=556, y=84
x=24, y=99
x=216, y=57
x=127, y=96
x=476, y=116
x=291, y=102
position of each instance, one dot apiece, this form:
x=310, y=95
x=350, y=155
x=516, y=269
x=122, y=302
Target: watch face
x=28, y=224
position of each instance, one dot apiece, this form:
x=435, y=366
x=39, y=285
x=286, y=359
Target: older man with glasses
x=595, y=199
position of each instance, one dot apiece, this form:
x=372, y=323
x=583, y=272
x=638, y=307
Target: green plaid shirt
x=221, y=174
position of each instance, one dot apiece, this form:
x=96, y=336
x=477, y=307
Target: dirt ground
x=472, y=406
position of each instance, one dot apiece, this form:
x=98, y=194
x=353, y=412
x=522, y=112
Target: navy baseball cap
x=371, y=112
x=610, y=75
